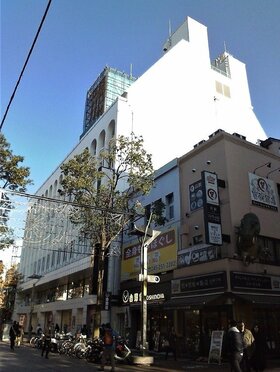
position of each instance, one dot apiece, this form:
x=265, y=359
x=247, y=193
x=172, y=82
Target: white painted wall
x=173, y=102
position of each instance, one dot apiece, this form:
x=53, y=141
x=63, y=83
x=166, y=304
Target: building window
x=58, y=257
x=48, y=262
x=53, y=258
x=169, y=201
x=43, y=264
x=269, y=250
x=223, y=89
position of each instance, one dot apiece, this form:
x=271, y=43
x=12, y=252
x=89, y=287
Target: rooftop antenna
x=225, y=47
x=169, y=28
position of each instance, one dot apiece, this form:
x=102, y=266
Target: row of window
x=95, y=148
x=58, y=258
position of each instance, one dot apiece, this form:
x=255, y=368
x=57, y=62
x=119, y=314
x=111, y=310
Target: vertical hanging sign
x=212, y=215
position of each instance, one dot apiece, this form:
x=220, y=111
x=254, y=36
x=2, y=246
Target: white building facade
x=182, y=98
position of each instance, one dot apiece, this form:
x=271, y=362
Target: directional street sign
x=150, y=278
x=153, y=279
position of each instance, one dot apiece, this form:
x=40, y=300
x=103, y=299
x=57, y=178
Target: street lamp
x=38, y=277
x=268, y=165
x=144, y=277
x=274, y=170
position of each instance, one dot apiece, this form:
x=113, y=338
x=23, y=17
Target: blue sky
x=80, y=37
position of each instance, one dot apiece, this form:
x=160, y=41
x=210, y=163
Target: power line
x=25, y=64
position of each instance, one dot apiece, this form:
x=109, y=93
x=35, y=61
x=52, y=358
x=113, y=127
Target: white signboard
x=211, y=188
x=263, y=192
x=215, y=233
x=216, y=347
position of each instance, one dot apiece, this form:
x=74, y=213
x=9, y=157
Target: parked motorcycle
x=94, y=350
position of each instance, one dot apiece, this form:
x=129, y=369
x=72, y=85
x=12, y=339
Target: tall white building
x=182, y=98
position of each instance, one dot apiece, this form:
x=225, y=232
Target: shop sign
x=162, y=256
x=212, y=215
x=215, y=350
x=196, y=195
x=254, y=281
x=136, y=297
x=197, y=254
x=210, y=184
x=263, y=192
x=107, y=301
x=199, y=283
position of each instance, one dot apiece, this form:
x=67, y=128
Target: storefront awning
x=260, y=299
x=182, y=302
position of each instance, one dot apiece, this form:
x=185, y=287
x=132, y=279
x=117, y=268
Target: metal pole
x=144, y=296
x=31, y=312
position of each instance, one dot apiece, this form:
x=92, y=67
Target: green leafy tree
x=13, y=177
x=105, y=188
x=9, y=288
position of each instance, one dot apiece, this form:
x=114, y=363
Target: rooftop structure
x=110, y=84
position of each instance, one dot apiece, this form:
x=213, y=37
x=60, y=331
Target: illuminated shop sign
x=263, y=192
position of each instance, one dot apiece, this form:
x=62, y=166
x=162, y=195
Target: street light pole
x=38, y=277
x=143, y=277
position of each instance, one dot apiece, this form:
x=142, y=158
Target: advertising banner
x=263, y=192
x=196, y=254
x=162, y=256
x=196, y=195
x=212, y=215
x=215, y=351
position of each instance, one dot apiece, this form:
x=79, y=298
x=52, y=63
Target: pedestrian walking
x=109, y=347
x=19, y=336
x=171, y=345
x=13, y=335
x=56, y=328
x=39, y=330
x=258, y=360
x=101, y=330
x=46, y=343
x=235, y=347
x=248, y=341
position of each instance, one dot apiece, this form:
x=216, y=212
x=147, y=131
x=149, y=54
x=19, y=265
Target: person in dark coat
x=258, y=360
x=56, y=328
x=46, y=343
x=235, y=347
x=172, y=344
x=13, y=334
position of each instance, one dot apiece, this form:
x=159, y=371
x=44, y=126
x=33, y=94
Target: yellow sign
x=162, y=256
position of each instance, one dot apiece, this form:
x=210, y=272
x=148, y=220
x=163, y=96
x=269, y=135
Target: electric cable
x=25, y=64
